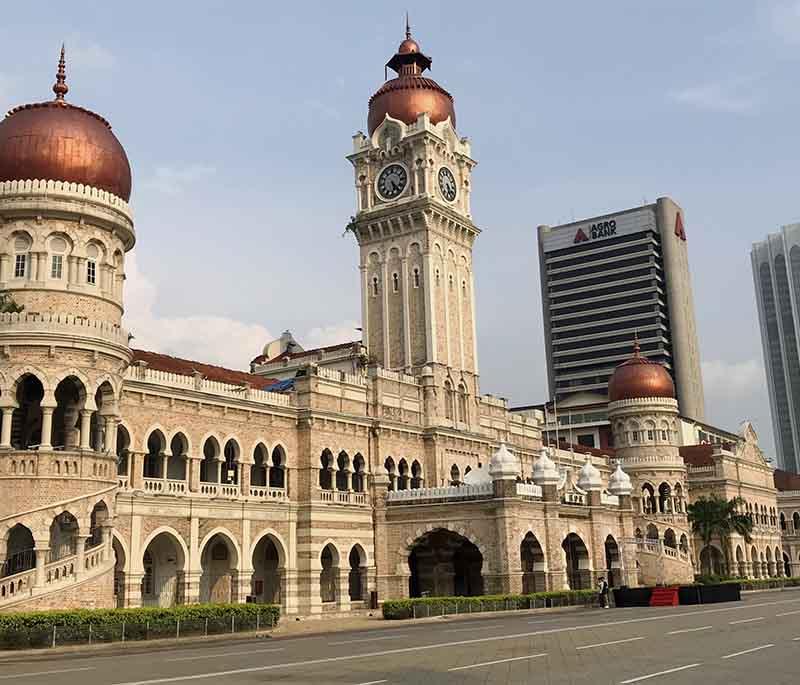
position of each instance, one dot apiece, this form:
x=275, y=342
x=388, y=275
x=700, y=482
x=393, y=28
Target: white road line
x=368, y=639
x=29, y=675
x=499, y=661
x=788, y=613
x=216, y=656
x=615, y=642
x=795, y=639
x=373, y=682
x=406, y=650
x=655, y=675
x=689, y=630
x=747, y=651
x=747, y=620
x=462, y=630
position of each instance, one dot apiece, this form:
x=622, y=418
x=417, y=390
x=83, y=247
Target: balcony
x=342, y=497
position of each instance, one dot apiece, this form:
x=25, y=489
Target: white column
x=364, y=305
x=459, y=299
x=430, y=309
x=474, y=334
x=385, y=300
x=406, y=312
x=47, y=428
x=446, y=289
x=86, y=425
x=5, y=431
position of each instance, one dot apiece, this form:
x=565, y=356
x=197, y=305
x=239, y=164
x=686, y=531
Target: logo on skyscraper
x=679, y=227
x=580, y=237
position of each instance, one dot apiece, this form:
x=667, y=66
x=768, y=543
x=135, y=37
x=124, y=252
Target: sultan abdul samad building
x=321, y=476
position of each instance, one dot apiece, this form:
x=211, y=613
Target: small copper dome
x=639, y=378
x=410, y=94
x=56, y=141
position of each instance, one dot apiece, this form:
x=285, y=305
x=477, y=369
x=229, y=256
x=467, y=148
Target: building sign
x=598, y=229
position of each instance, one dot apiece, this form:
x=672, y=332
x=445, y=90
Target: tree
x=716, y=516
x=8, y=305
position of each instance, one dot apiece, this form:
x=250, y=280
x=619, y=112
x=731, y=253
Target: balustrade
x=268, y=493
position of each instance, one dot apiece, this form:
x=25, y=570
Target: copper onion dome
x=639, y=378
x=57, y=141
x=410, y=94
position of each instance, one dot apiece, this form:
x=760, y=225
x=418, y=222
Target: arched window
x=462, y=403
x=796, y=522
x=390, y=471
x=375, y=286
x=416, y=277
x=664, y=498
x=455, y=475
x=343, y=471
x=395, y=282
x=416, y=475
x=448, y=401
x=231, y=474
x=22, y=245
x=277, y=471
x=326, y=470
x=358, y=473
x=58, y=248
x=783, y=521
x=92, y=254
x=402, y=475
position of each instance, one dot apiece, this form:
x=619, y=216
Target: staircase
x=664, y=597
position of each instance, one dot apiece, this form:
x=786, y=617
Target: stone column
x=47, y=428
x=430, y=308
x=194, y=473
x=42, y=549
x=110, y=444
x=5, y=431
x=164, y=467
x=219, y=471
x=136, y=463
x=406, y=313
x=343, y=590
x=80, y=551
x=244, y=479
x=86, y=425
x=133, y=589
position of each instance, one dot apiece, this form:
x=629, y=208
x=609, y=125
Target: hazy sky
x=236, y=117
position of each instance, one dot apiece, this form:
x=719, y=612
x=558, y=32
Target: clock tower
x=415, y=232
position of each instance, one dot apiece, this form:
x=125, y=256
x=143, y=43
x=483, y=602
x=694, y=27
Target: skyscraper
x=607, y=278
x=776, y=271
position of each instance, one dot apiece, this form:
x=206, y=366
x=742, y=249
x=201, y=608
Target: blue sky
x=237, y=116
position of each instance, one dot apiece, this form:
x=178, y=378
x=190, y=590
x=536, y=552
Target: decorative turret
x=620, y=482
x=589, y=478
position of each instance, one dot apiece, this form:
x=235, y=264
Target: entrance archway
x=163, y=562
x=444, y=563
x=219, y=562
x=613, y=562
x=711, y=561
x=533, y=571
x=20, y=552
x=27, y=417
x=357, y=577
x=577, y=566
x=268, y=564
x=329, y=575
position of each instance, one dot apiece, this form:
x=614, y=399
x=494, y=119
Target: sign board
x=598, y=229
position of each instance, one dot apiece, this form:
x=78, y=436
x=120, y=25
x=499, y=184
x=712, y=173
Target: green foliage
x=8, y=305
x=35, y=628
x=437, y=606
x=716, y=516
x=749, y=583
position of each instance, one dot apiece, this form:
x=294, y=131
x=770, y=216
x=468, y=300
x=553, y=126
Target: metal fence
x=58, y=634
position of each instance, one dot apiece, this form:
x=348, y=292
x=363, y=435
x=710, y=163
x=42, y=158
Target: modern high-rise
x=776, y=271
x=608, y=279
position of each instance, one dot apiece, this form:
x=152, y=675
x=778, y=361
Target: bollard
x=123, y=631
x=54, y=635
x=233, y=618
x=147, y=629
x=206, y=630
x=258, y=620
x=90, y=633
x=177, y=628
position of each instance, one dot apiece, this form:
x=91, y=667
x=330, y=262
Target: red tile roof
x=185, y=367
x=784, y=480
x=697, y=455
x=261, y=359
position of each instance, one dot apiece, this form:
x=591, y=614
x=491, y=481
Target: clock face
x=447, y=184
x=392, y=181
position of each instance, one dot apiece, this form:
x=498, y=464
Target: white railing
x=529, y=490
x=229, y=490
x=11, y=587
x=710, y=470
x=654, y=459
x=396, y=376
x=210, y=489
x=342, y=496
x=153, y=484
x=66, y=189
x=609, y=499
x=573, y=498
x=176, y=380
x=175, y=487
x=123, y=482
x=326, y=495
x=262, y=492
x=444, y=493
x=63, y=323
x=60, y=570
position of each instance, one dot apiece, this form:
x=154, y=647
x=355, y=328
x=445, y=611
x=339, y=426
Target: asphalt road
x=756, y=641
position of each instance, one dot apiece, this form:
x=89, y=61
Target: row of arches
x=760, y=514
x=652, y=535
x=164, y=567
x=444, y=563
x=795, y=523
x=770, y=562
x=666, y=500
x=455, y=402
x=633, y=432
x=342, y=473
x=403, y=477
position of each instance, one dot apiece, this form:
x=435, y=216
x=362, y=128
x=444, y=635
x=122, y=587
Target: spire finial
x=636, y=347
x=408, y=27
x=60, y=88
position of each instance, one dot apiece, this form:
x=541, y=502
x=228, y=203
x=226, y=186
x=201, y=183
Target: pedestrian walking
x=602, y=589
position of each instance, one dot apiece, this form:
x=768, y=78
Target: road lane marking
x=499, y=661
x=461, y=630
x=689, y=630
x=29, y=675
x=788, y=613
x=655, y=675
x=748, y=651
x=747, y=620
x=614, y=642
x=374, y=682
x=406, y=650
x=216, y=656
x=368, y=639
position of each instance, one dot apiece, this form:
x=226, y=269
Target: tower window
x=649, y=435
x=438, y=276
x=91, y=272
x=464, y=288
x=20, y=262
x=374, y=286
x=57, y=266
x=395, y=282
x=450, y=280
x=416, y=278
